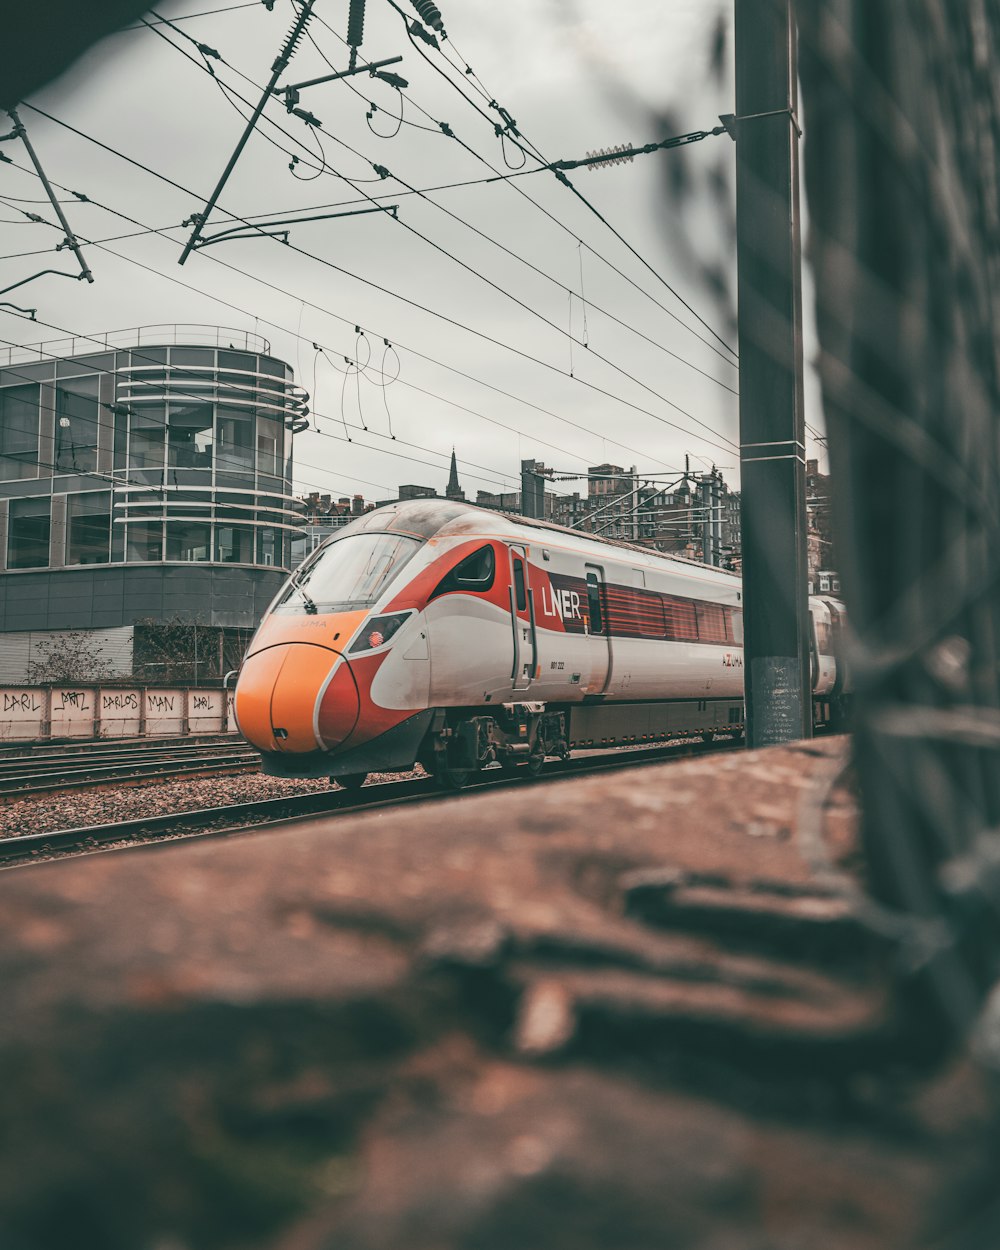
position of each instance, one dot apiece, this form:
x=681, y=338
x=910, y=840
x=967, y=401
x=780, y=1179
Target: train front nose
x=296, y=698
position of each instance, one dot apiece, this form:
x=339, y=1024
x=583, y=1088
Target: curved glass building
x=145, y=481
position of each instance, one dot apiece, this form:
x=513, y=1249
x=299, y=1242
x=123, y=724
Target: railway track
x=233, y=819
x=50, y=770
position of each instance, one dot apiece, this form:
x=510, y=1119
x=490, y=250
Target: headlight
x=378, y=631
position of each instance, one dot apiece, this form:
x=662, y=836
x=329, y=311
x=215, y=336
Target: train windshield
x=351, y=573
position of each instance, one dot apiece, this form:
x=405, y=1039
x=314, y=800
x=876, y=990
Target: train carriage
x=437, y=631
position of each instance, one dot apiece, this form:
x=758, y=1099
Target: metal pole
x=277, y=69
x=71, y=239
x=344, y=73
x=772, y=432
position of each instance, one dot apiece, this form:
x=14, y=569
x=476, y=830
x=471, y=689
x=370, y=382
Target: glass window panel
x=351, y=573
x=192, y=356
x=102, y=363
x=77, y=416
x=28, y=529
x=595, y=614
x=268, y=364
x=189, y=540
x=680, y=619
x=18, y=432
x=147, y=429
x=300, y=547
x=234, y=544
x=88, y=528
x=711, y=622
x=147, y=381
x=238, y=360
x=269, y=445
x=649, y=607
x=191, y=435
x=144, y=540
x=121, y=436
x=17, y=374
x=149, y=356
x=268, y=547
x=234, y=440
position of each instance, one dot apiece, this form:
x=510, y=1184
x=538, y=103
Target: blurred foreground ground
x=626, y=1013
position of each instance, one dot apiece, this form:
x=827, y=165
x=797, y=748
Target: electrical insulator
x=356, y=23
x=431, y=14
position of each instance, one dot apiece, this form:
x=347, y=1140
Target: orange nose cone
x=253, y=696
x=278, y=692
x=339, y=708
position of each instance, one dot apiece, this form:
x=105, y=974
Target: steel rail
x=14, y=749
x=239, y=818
x=30, y=787
x=79, y=761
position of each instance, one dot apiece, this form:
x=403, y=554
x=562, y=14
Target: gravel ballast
x=110, y=803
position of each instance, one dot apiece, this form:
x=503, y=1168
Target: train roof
x=427, y=518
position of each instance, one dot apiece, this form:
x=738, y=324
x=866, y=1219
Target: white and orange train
x=443, y=633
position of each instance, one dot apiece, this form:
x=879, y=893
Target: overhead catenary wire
x=509, y=178
x=415, y=191
x=424, y=193
x=388, y=291
x=495, y=477
x=421, y=355
x=190, y=17
x=506, y=293
x=172, y=278
x=563, y=178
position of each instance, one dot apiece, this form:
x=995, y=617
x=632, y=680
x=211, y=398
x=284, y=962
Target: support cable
x=509, y=179
x=443, y=317
x=505, y=292
x=415, y=191
x=496, y=477
x=329, y=312
x=560, y=174
x=277, y=69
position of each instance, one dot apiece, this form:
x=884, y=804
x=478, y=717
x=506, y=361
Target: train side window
x=680, y=619
x=594, y=604
x=520, y=594
x=711, y=621
x=649, y=608
x=475, y=573
x=736, y=625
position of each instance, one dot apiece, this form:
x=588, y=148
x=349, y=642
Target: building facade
x=144, y=483
x=822, y=551
x=323, y=516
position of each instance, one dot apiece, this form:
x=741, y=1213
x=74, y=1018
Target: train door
x=814, y=668
x=522, y=614
x=598, y=627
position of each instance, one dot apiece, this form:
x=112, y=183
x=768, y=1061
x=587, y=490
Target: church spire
x=454, y=491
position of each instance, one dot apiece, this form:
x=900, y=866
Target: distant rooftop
x=139, y=336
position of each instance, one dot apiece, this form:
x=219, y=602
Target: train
x=437, y=632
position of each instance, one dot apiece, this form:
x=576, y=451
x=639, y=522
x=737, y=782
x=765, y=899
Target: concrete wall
x=36, y=713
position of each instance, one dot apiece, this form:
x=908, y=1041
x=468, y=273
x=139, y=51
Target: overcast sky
x=575, y=75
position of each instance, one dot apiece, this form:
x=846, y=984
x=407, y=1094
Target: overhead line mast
x=277, y=69
x=772, y=428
